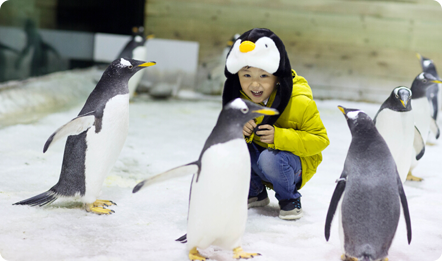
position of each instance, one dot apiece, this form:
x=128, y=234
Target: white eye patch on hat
x=262, y=54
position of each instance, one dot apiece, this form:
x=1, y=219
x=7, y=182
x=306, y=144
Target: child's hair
x=265, y=58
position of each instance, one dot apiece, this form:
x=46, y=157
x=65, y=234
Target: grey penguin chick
x=370, y=207
x=395, y=122
x=96, y=137
x=215, y=217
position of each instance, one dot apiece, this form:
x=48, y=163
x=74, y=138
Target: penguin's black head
x=125, y=68
x=358, y=121
x=421, y=83
x=401, y=97
x=427, y=65
x=242, y=111
x=263, y=49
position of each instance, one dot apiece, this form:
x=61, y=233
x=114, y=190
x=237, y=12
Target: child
x=285, y=149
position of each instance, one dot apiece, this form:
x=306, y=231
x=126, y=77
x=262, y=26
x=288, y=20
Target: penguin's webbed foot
x=98, y=207
x=105, y=203
x=344, y=257
x=411, y=177
x=238, y=253
x=195, y=255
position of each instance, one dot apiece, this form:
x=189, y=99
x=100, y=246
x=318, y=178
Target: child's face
x=257, y=83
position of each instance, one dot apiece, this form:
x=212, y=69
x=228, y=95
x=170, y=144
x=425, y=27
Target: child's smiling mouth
x=257, y=93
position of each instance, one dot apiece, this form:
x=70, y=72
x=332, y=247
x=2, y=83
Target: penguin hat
x=395, y=122
x=96, y=137
x=370, y=207
x=215, y=217
x=263, y=49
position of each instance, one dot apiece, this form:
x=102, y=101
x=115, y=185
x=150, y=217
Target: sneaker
x=261, y=200
x=290, y=209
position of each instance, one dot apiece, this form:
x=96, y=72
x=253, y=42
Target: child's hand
x=248, y=128
x=266, y=133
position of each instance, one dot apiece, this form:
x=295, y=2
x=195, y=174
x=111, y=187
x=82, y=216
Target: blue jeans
x=281, y=168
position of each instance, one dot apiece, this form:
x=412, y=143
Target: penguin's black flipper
x=434, y=128
x=74, y=127
x=340, y=187
x=404, y=203
x=182, y=239
x=39, y=200
x=187, y=169
x=418, y=144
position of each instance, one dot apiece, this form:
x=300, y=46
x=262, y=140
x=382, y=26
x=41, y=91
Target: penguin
x=215, y=217
x=135, y=49
x=433, y=95
x=370, y=207
x=395, y=122
x=214, y=82
x=39, y=50
x=3, y=61
x=96, y=137
x=421, y=112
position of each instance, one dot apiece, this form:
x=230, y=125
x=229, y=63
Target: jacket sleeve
x=308, y=139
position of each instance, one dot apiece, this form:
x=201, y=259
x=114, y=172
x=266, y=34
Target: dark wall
x=106, y=16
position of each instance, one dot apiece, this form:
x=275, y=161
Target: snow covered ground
x=163, y=135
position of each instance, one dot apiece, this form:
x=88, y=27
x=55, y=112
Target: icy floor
x=165, y=134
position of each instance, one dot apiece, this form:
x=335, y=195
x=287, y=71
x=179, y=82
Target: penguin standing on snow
x=370, y=207
x=433, y=95
x=395, y=122
x=215, y=217
x=135, y=49
x=421, y=112
x=95, y=140
x=421, y=108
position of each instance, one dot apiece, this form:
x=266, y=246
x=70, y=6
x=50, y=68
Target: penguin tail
x=182, y=239
x=40, y=200
x=368, y=253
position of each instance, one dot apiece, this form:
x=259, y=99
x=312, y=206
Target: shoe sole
x=256, y=204
x=291, y=217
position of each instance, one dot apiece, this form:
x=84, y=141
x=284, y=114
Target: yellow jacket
x=299, y=128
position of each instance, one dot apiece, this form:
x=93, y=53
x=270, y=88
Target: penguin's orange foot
x=103, y=203
x=344, y=257
x=98, y=209
x=195, y=255
x=410, y=177
x=238, y=253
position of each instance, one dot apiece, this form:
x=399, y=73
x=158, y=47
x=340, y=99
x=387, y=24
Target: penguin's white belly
x=104, y=147
x=397, y=129
x=218, y=204
x=139, y=53
x=422, y=116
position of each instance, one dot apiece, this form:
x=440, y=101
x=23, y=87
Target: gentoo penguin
x=38, y=49
x=370, y=207
x=135, y=49
x=95, y=140
x=215, y=217
x=433, y=95
x=395, y=122
x=3, y=61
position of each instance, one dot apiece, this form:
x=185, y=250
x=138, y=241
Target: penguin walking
x=395, y=122
x=135, y=49
x=215, y=217
x=433, y=94
x=370, y=207
x=95, y=140
x=421, y=112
